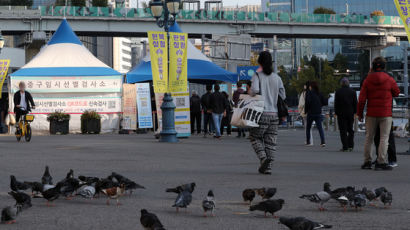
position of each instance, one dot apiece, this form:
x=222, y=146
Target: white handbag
x=248, y=112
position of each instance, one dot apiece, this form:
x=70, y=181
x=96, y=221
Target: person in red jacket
x=377, y=91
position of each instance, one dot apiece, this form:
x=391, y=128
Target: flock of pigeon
x=115, y=185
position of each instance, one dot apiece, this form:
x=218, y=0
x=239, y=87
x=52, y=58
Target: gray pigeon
x=319, y=197
x=343, y=201
x=9, y=214
x=386, y=198
x=266, y=193
x=268, y=206
x=86, y=191
x=183, y=200
x=359, y=201
x=47, y=179
x=150, y=221
x=301, y=223
x=208, y=204
x=22, y=199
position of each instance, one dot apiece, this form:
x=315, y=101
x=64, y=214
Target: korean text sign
x=158, y=46
x=403, y=7
x=144, y=105
x=178, y=62
x=4, y=67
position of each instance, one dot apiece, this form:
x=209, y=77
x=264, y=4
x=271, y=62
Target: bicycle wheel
x=28, y=133
x=18, y=134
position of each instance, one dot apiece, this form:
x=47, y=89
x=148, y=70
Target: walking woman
x=301, y=108
x=270, y=86
x=313, y=107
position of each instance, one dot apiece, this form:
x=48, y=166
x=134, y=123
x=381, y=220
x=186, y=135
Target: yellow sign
x=4, y=67
x=158, y=46
x=178, y=62
x=403, y=7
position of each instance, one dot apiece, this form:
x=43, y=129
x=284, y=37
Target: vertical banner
x=129, y=102
x=182, y=113
x=4, y=67
x=144, y=105
x=158, y=46
x=403, y=7
x=178, y=62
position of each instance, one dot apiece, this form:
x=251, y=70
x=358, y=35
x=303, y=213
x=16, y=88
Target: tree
x=99, y=3
x=340, y=63
x=287, y=79
x=364, y=63
x=28, y=3
x=77, y=2
x=324, y=10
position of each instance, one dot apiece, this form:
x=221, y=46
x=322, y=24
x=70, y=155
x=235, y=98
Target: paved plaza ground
x=227, y=166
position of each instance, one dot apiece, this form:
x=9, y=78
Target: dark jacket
x=195, y=104
x=314, y=103
x=29, y=101
x=218, y=103
x=345, y=102
x=236, y=95
x=378, y=90
x=206, y=101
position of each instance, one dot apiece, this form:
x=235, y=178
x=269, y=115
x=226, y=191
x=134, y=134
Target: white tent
x=65, y=76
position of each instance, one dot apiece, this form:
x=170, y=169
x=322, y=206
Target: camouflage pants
x=263, y=138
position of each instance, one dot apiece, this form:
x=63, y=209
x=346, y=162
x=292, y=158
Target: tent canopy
x=65, y=55
x=200, y=68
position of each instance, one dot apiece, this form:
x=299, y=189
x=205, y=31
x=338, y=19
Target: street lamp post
x=165, y=13
x=1, y=42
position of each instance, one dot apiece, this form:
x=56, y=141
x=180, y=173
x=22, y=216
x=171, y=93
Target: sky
x=225, y=2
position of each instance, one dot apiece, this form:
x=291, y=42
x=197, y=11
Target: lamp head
x=173, y=6
x=157, y=7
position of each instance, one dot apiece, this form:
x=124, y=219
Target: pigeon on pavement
x=36, y=187
x=301, y=223
x=386, y=198
x=359, y=201
x=266, y=193
x=268, y=206
x=9, y=214
x=86, y=191
x=370, y=195
x=208, y=204
x=70, y=174
x=379, y=191
x=150, y=221
x=343, y=201
x=129, y=184
x=183, y=200
x=114, y=193
x=248, y=195
x=51, y=194
x=68, y=186
x=16, y=185
x=190, y=187
x=23, y=200
x=47, y=179
x=319, y=197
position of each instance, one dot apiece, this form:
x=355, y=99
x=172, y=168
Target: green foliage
x=324, y=10
x=316, y=70
x=89, y=115
x=28, y=3
x=340, y=63
x=286, y=79
x=58, y=116
x=77, y=2
x=364, y=63
x=99, y=3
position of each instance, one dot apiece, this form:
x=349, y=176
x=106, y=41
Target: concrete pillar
x=374, y=53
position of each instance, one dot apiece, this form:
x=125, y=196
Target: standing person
x=377, y=91
x=345, y=109
x=226, y=120
x=206, y=107
x=270, y=86
x=196, y=114
x=313, y=107
x=235, y=99
x=23, y=102
x=302, y=112
x=218, y=108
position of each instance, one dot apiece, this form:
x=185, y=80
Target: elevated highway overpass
x=122, y=22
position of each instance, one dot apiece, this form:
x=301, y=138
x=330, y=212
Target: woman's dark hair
x=315, y=86
x=216, y=87
x=208, y=87
x=379, y=63
x=307, y=84
x=249, y=83
x=265, y=60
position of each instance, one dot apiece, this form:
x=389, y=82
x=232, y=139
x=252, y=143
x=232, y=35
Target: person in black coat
x=345, y=109
x=226, y=120
x=206, y=107
x=218, y=108
x=313, y=108
x=23, y=102
x=196, y=114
